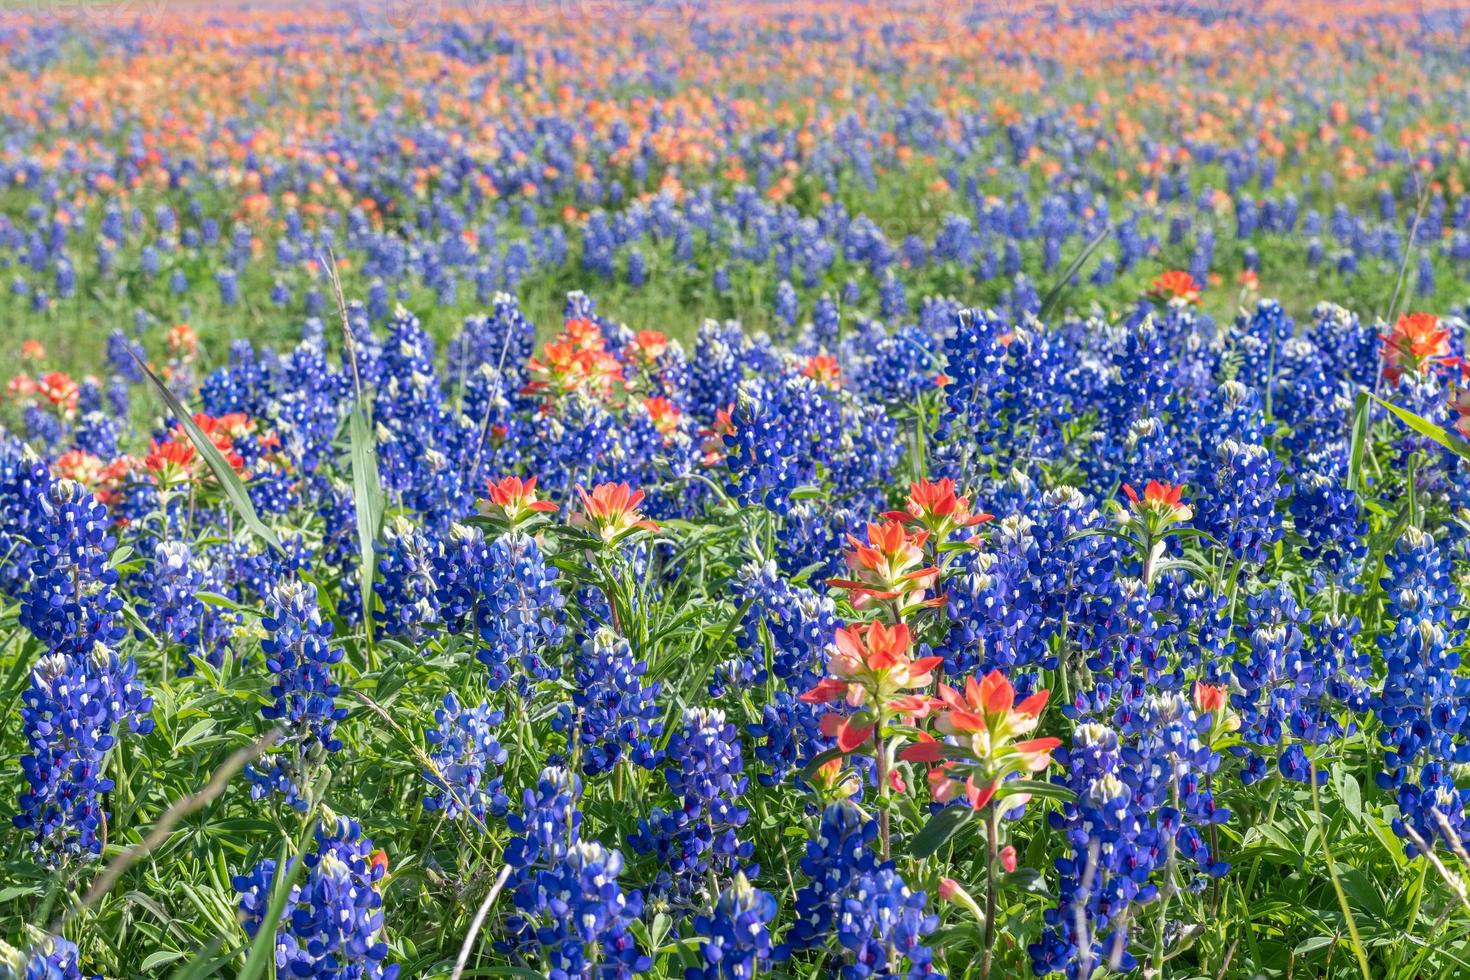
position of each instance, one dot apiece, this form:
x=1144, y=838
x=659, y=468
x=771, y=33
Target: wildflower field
x=614, y=488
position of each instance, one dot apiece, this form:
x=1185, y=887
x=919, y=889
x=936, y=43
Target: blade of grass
x=228, y=479
x=263, y=949
x=1359, y=440
x=1054, y=294
x=367, y=486
x=1428, y=429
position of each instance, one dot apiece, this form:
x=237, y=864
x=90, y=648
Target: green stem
x=880, y=752
x=992, y=832
x=1342, y=902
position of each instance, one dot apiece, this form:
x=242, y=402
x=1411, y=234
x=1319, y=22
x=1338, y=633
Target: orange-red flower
x=871, y=668
x=612, y=509
x=183, y=342
x=517, y=498
x=1176, y=284
x=170, y=461
x=60, y=390
x=823, y=368
x=982, y=723
x=22, y=387
x=80, y=466
x=1416, y=342
x=1162, y=500
x=1459, y=402
x=576, y=361
x=32, y=350
x=648, y=345
x=713, y=437
x=934, y=506
x=1208, y=698
x=664, y=415
x=889, y=566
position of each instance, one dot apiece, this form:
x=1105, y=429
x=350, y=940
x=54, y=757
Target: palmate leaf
x=228, y=479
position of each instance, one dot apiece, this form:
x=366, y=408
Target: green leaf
x=153, y=960
x=228, y=479
x=940, y=828
x=1359, y=440
x=1428, y=429
x=810, y=769
x=1054, y=294
x=367, y=500
x=16, y=891
x=1036, y=788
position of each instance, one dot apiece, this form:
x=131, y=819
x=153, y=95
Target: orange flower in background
x=171, y=461
x=664, y=414
x=576, y=361
x=824, y=369
x=32, y=350
x=648, y=345
x=60, y=390
x=22, y=387
x=183, y=342
x=80, y=466
x=713, y=437
x=1176, y=284
x=1416, y=342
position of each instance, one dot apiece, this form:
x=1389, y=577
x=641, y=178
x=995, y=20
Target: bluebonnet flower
x=518, y=612
x=405, y=582
x=169, y=605
x=699, y=842
x=81, y=694
x=792, y=621
x=71, y=604
x=613, y=715
x=332, y=925
x=786, y=303
x=466, y=760
x=571, y=914
x=1324, y=512
x=1423, y=700
x=1240, y=489
x=1111, y=853
x=48, y=958
x=299, y=654
x=72, y=712
x=861, y=904
x=735, y=935
x=25, y=482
